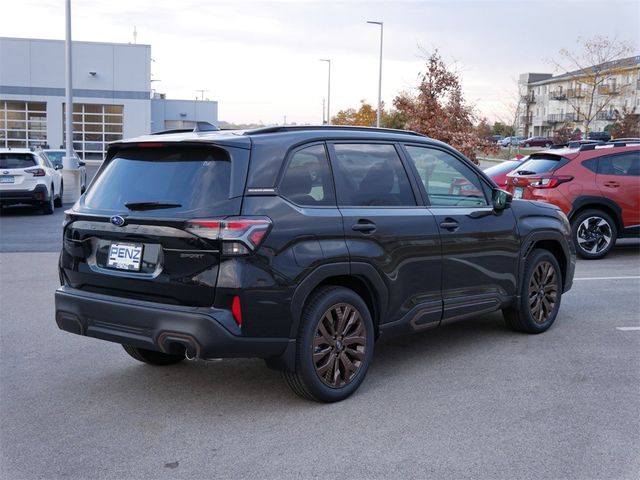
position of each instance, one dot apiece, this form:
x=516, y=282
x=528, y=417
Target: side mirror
x=58, y=166
x=82, y=164
x=501, y=199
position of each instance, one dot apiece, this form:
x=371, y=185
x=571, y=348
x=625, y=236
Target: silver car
x=55, y=157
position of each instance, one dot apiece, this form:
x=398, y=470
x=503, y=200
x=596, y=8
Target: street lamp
x=328, y=91
x=380, y=74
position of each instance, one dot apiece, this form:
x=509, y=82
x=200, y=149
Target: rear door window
x=623, y=164
x=368, y=175
x=17, y=160
x=192, y=182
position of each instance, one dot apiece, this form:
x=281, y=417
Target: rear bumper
x=164, y=328
x=36, y=196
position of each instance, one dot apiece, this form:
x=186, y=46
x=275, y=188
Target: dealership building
x=112, y=96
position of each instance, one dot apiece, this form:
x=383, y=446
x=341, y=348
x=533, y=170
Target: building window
x=94, y=126
x=23, y=124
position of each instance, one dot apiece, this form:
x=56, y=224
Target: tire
x=48, y=207
x=593, y=233
x=58, y=201
x=540, y=295
x=325, y=312
x=152, y=357
x=547, y=145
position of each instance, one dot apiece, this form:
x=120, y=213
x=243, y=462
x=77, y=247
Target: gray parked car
x=55, y=157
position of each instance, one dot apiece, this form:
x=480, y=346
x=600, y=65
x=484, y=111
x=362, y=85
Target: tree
x=483, y=129
x=366, y=116
x=500, y=128
x=589, y=70
x=627, y=125
x=438, y=110
x=562, y=135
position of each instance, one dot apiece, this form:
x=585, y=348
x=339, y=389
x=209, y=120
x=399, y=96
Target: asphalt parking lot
x=472, y=400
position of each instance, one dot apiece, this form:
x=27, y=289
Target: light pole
x=380, y=73
x=328, y=91
x=70, y=172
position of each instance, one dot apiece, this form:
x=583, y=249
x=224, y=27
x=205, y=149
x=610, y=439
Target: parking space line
x=609, y=278
x=628, y=329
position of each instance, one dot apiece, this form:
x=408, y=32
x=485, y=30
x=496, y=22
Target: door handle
x=364, y=227
x=611, y=184
x=449, y=224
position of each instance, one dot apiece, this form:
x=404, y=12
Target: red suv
x=596, y=186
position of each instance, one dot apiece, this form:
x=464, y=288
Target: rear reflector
x=236, y=310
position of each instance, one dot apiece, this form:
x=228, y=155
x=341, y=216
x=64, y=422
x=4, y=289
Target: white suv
x=27, y=176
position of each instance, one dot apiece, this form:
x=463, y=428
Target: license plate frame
x=517, y=192
x=5, y=179
x=124, y=256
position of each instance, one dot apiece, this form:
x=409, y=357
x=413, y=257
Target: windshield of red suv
x=539, y=164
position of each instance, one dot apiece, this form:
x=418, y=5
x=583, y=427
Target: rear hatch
x=18, y=171
x=538, y=173
x=148, y=226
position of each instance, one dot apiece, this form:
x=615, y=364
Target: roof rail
x=200, y=127
x=611, y=144
x=293, y=128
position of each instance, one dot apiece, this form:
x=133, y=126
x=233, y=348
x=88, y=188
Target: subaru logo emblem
x=117, y=220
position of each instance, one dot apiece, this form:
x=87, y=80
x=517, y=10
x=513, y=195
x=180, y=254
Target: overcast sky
x=260, y=59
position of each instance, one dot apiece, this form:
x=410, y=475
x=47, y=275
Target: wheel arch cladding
x=598, y=203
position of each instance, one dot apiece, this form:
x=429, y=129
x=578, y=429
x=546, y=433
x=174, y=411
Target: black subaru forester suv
x=302, y=246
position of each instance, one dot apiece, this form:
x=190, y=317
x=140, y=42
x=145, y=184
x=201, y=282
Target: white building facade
x=111, y=95
x=549, y=103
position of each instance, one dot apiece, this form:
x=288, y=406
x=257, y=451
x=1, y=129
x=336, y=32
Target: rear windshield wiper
x=150, y=205
x=525, y=172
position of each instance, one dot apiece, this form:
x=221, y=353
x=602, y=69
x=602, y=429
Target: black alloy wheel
x=339, y=345
x=543, y=291
x=540, y=294
x=334, y=346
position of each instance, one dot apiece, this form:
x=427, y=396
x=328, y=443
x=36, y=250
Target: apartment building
x=549, y=103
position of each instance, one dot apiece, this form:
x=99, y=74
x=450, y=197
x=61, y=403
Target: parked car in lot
x=55, y=156
x=498, y=173
x=511, y=141
x=27, y=176
x=497, y=138
x=302, y=246
x=537, y=142
x=596, y=185
x=598, y=136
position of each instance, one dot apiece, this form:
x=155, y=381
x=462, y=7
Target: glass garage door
x=23, y=124
x=94, y=126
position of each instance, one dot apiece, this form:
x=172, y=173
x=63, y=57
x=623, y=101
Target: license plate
x=125, y=256
x=517, y=192
x=7, y=179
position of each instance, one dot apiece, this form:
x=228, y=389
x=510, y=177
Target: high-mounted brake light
x=551, y=182
x=151, y=145
x=239, y=235
x=36, y=172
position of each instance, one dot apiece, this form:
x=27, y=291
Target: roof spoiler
x=200, y=127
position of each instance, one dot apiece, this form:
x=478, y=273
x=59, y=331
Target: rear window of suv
x=540, y=164
x=17, y=160
x=174, y=182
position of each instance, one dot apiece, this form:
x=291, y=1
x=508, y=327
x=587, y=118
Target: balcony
x=528, y=98
x=607, y=115
x=575, y=93
x=562, y=117
x=526, y=119
x=608, y=90
x=557, y=95
x=638, y=84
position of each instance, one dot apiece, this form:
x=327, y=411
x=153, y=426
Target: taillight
x=239, y=235
x=551, y=182
x=36, y=172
